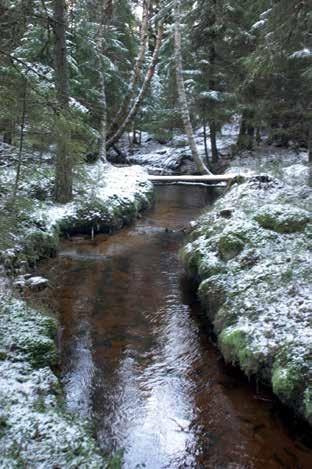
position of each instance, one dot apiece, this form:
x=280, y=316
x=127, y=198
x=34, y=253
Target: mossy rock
x=210, y=265
x=230, y=246
x=212, y=294
x=25, y=333
x=191, y=258
x=41, y=351
x=282, y=218
x=286, y=383
x=93, y=214
x=233, y=343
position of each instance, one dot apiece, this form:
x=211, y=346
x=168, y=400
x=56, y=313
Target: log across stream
x=137, y=358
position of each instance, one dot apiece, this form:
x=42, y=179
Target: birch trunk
x=310, y=144
x=64, y=165
x=105, y=6
x=202, y=168
x=136, y=77
x=137, y=103
x=103, y=122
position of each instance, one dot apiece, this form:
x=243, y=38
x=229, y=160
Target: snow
x=174, y=157
x=213, y=95
x=107, y=184
x=35, y=429
x=259, y=24
x=302, y=54
x=259, y=296
x=37, y=281
x=74, y=103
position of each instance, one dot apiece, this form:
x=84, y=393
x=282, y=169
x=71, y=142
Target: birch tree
x=137, y=73
x=147, y=79
x=105, y=6
x=185, y=114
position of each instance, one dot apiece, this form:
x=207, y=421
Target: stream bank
x=35, y=429
x=137, y=358
x=251, y=255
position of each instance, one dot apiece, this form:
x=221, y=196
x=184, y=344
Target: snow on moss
x=106, y=198
x=34, y=430
x=253, y=263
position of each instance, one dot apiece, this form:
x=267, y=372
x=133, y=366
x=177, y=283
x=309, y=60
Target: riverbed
x=137, y=358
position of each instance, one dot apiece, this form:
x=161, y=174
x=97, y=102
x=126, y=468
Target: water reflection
x=136, y=358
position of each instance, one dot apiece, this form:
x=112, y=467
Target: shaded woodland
x=77, y=75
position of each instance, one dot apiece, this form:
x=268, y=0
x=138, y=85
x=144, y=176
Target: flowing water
x=137, y=359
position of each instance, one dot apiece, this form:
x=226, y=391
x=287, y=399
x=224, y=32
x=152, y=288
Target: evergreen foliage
x=244, y=58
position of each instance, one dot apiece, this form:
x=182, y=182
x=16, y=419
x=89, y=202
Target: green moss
x=25, y=333
x=283, y=218
x=234, y=346
x=191, y=259
x=230, y=246
x=212, y=295
x=210, y=265
x=285, y=382
x=41, y=351
x=237, y=180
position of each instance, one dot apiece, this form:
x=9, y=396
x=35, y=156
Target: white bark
x=138, y=101
x=137, y=73
x=202, y=168
x=102, y=85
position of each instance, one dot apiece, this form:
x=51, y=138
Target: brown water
x=136, y=356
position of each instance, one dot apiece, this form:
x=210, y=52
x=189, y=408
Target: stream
x=137, y=358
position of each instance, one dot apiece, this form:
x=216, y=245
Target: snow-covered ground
x=105, y=199
x=174, y=157
x=35, y=431
x=252, y=255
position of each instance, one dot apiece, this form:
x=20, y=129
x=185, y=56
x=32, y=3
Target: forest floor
x=251, y=255
x=174, y=156
x=254, y=258
x=35, y=430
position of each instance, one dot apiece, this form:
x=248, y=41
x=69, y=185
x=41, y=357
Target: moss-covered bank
x=252, y=256
x=105, y=199
x=35, y=430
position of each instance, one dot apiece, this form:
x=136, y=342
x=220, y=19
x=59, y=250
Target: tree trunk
x=102, y=85
x=185, y=114
x=64, y=166
x=21, y=143
x=310, y=144
x=105, y=11
x=103, y=123
x=242, y=132
x=137, y=103
x=212, y=85
x=213, y=140
x=205, y=143
x=247, y=131
x=136, y=77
